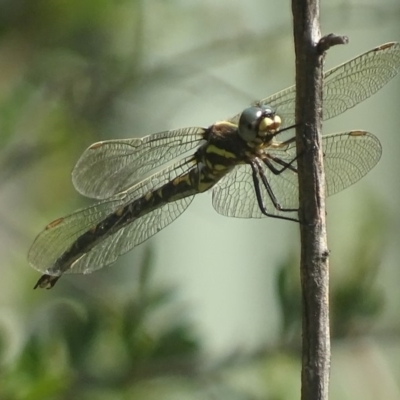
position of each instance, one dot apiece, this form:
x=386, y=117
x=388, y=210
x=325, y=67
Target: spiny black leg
x=288, y=128
x=267, y=186
x=285, y=165
x=261, y=205
x=269, y=189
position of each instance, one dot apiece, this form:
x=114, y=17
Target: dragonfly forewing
x=112, y=166
x=345, y=86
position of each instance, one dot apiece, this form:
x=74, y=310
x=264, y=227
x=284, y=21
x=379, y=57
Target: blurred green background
x=209, y=307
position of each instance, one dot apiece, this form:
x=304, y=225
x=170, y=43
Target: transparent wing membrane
x=130, y=236
x=111, y=166
x=348, y=156
x=345, y=85
x=58, y=236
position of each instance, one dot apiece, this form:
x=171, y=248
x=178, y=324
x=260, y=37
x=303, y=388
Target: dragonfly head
x=258, y=122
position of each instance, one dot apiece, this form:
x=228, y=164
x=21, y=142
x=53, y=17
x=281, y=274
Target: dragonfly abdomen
x=178, y=188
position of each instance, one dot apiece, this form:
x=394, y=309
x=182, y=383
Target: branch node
x=330, y=40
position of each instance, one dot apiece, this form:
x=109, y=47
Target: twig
x=314, y=250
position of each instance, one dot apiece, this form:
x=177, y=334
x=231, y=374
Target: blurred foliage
x=86, y=347
x=356, y=300
x=75, y=346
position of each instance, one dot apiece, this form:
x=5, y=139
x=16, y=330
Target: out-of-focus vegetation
x=74, y=72
x=81, y=346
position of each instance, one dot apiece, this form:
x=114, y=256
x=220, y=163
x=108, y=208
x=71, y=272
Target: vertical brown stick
x=314, y=251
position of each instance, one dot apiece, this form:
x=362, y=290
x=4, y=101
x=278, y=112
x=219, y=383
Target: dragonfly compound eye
x=249, y=122
x=257, y=122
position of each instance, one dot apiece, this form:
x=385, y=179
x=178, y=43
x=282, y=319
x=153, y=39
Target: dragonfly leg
x=270, y=191
x=257, y=171
x=284, y=164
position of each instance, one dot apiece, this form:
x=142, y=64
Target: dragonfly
x=143, y=184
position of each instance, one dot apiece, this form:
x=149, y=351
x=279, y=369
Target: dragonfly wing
x=348, y=156
x=234, y=195
x=60, y=235
x=130, y=236
x=344, y=86
x=354, y=81
x=112, y=166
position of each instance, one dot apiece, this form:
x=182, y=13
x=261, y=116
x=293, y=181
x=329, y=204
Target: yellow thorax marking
x=221, y=152
x=219, y=167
